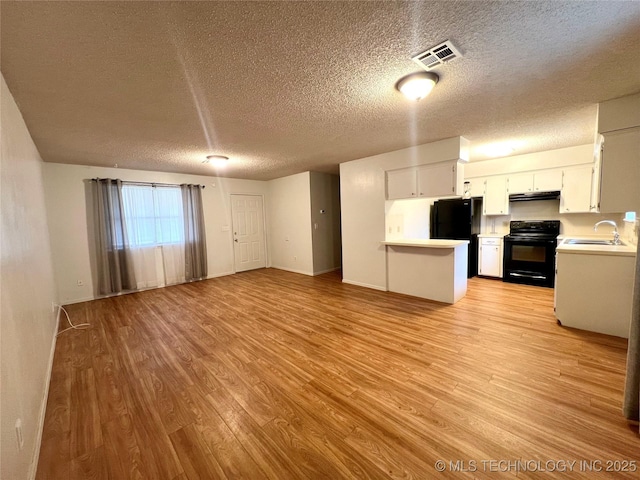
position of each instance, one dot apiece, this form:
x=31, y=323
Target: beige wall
x=290, y=223
x=26, y=294
x=69, y=211
x=325, y=196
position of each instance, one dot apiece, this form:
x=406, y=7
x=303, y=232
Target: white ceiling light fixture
x=219, y=160
x=418, y=85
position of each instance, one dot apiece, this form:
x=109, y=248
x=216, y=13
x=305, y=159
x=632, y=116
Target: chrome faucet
x=616, y=235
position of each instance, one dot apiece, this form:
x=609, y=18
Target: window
x=153, y=215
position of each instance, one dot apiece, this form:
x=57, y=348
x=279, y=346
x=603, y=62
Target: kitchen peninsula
x=431, y=269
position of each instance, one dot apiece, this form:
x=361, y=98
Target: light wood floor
x=270, y=374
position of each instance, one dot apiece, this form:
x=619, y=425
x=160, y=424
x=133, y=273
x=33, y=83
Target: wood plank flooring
x=270, y=374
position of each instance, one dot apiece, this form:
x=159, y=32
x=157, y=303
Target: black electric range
x=530, y=252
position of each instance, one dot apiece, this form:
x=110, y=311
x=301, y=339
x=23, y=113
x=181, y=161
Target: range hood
x=527, y=197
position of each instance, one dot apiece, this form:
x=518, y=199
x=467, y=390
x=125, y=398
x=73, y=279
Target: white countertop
x=491, y=235
x=425, y=243
x=626, y=250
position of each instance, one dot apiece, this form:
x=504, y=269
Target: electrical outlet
x=19, y=436
x=81, y=283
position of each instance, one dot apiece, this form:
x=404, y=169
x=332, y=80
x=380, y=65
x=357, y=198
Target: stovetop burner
x=534, y=228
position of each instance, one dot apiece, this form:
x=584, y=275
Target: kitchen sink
x=581, y=241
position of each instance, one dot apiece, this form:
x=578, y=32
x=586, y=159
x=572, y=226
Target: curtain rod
x=152, y=184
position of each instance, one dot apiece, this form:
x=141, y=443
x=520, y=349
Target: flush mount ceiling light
x=416, y=86
x=216, y=159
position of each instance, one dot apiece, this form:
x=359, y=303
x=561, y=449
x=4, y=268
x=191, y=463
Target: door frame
x=267, y=251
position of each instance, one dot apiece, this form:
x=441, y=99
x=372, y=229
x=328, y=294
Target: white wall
x=26, y=294
x=408, y=218
x=325, y=196
x=289, y=223
x=69, y=200
x=362, y=197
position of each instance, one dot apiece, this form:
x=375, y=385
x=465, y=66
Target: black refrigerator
x=458, y=219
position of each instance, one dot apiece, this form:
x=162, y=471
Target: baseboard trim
x=79, y=300
x=33, y=468
x=366, y=285
x=292, y=270
x=89, y=299
x=216, y=275
x=326, y=271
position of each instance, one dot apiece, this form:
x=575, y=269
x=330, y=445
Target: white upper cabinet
x=440, y=179
x=496, y=196
x=620, y=177
x=521, y=183
x=619, y=123
x=402, y=183
x=544, y=181
x=547, y=181
x=576, y=194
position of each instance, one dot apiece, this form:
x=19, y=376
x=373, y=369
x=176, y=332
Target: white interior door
x=248, y=232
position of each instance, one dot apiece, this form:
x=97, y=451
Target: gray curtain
x=194, y=235
x=632, y=387
x=115, y=266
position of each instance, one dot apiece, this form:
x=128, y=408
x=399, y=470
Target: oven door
x=529, y=261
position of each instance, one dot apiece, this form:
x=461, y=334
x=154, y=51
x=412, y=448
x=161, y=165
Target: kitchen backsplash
x=572, y=223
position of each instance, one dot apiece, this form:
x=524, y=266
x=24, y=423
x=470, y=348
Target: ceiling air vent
x=436, y=56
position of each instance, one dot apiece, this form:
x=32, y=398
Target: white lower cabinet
x=490, y=256
x=595, y=292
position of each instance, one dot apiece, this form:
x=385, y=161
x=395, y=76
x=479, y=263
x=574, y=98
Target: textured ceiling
x=284, y=87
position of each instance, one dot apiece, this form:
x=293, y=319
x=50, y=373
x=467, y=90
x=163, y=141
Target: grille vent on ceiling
x=436, y=56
